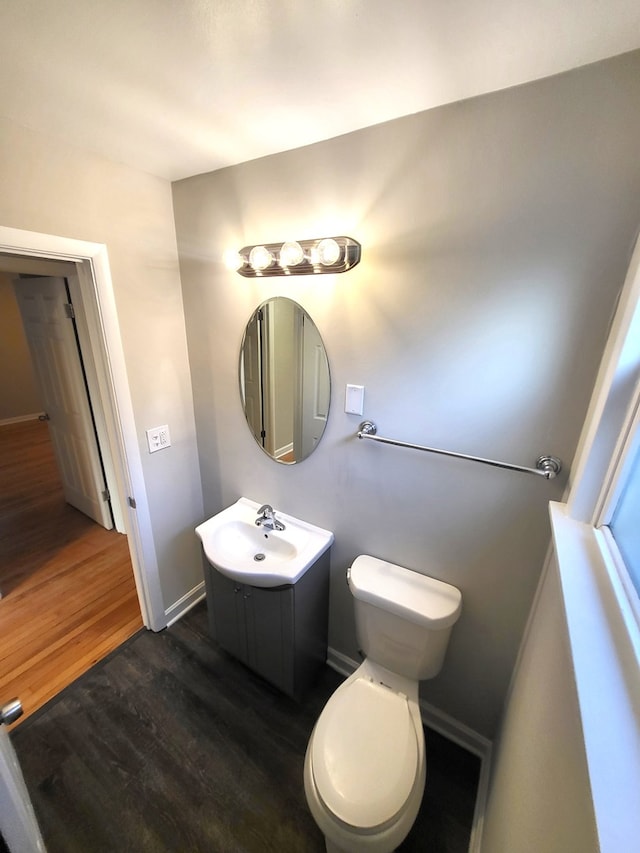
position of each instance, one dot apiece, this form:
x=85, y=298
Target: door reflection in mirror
x=284, y=380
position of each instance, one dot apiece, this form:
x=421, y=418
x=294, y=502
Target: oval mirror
x=284, y=380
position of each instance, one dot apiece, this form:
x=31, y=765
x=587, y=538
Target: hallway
x=68, y=592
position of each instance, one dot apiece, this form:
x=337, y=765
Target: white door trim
x=18, y=821
x=98, y=304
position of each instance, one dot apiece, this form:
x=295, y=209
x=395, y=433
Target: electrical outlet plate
x=158, y=438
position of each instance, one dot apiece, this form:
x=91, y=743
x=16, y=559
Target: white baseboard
x=20, y=419
x=179, y=608
x=475, y=842
x=283, y=451
x=453, y=730
x=341, y=663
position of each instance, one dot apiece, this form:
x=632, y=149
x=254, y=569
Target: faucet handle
x=267, y=518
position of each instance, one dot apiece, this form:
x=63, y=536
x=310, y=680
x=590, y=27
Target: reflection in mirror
x=284, y=380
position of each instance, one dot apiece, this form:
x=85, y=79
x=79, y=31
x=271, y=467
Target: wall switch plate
x=158, y=438
x=354, y=400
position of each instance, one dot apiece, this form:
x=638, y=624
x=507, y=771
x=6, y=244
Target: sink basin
x=257, y=556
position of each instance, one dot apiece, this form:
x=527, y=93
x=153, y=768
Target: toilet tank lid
x=416, y=597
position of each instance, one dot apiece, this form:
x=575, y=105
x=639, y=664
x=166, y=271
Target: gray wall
x=496, y=233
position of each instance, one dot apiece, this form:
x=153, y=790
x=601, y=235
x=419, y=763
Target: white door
x=18, y=822
x=51, y=335
x=315, y=390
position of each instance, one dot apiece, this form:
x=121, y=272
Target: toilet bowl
x=365, y=766
x=364, y=798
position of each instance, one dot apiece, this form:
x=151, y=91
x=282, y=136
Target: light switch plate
x=354, y=400
x=158, y=438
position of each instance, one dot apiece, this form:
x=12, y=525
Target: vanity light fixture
x=299, y=257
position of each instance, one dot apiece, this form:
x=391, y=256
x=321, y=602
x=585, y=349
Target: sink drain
x=259, y=557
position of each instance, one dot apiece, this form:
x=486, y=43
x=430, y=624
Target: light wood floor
x=68, y=593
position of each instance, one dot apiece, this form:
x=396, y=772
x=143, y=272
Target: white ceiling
x=179, y=87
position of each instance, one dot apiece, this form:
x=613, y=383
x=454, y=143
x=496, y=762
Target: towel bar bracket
x=547, y=466
x=367, y=428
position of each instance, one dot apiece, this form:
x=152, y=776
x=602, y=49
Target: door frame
x=101, y=341
x=18, y=821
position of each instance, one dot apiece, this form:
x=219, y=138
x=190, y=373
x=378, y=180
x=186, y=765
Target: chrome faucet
x=267, y=518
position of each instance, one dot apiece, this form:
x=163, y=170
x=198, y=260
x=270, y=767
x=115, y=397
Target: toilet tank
x=403, y=618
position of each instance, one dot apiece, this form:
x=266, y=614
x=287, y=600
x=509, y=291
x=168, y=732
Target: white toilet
x=365, y=767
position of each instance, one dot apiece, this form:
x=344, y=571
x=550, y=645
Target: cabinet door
x=269, y=614
x=227, y=601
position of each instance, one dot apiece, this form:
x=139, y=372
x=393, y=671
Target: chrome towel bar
x=547, y=466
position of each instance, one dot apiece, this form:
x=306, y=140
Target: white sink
x=257, y=556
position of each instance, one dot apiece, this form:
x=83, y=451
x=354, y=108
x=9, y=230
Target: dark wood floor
x=171, y=745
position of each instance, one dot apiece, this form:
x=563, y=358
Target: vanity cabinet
x=279, y=632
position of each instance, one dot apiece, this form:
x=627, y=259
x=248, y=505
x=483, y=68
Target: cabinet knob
x=237, y=589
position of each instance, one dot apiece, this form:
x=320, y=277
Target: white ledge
x=604, y=643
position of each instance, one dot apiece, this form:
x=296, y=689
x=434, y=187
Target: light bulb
x=260, y=258
x=233, y=260
x=328, y=252
x=291, y=254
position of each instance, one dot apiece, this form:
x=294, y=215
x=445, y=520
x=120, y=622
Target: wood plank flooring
x=169, y=745
x=68, y=593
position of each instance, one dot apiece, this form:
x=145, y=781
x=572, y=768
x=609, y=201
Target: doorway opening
x=86, y=265
x=49, y=353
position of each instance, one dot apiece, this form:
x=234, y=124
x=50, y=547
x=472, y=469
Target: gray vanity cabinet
x=279, y=632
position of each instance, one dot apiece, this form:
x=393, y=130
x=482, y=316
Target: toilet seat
x=365, y=755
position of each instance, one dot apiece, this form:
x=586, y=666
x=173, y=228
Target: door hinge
x=68, y=310
x=131, y=502
x=105, y=495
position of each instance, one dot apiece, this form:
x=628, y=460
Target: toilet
x=365, y=766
